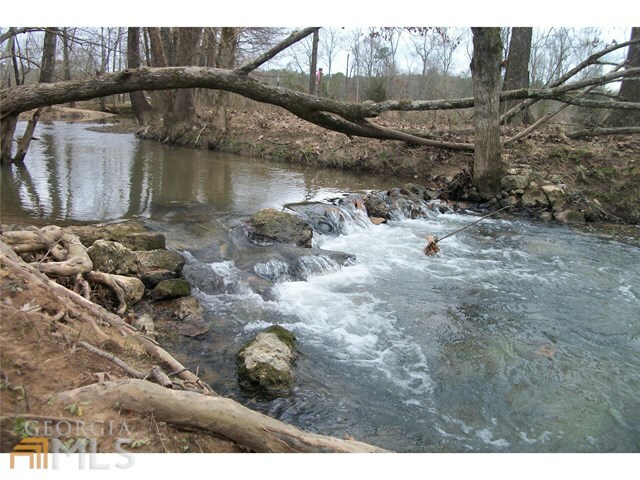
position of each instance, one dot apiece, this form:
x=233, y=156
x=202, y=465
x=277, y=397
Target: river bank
x=508, y=340
x=604, y=170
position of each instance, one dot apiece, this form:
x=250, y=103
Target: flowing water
x=518, y=336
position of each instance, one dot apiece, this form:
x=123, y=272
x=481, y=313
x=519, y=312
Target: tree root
x=185, y=401
x=217, y=415
x=79, y=307
x=109, y=281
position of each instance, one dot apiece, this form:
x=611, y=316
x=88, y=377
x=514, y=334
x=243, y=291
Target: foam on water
x=449, y=343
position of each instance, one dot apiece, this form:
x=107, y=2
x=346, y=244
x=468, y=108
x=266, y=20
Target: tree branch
x=12, y=32
x=324, y=112
x=577, y=69
x=592, y=132
x=265, y=57
x=544, y=119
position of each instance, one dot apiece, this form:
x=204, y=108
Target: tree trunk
x=48, y=56
x=141, y=107
x=630, y=88
x=169, y=42
x=218, y=415
x=517, y=72
x=7, y=130
x=488, y=168
x=164, y=98
x=46, y=76
x=313, y=67
x=225, y=58
x=184, y=108
x=66, y=56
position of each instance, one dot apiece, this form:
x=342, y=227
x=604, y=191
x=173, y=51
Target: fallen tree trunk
x=596, y=131
x=349, y=118
x=218, y=415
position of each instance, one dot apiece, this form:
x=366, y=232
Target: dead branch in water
x=432, y=242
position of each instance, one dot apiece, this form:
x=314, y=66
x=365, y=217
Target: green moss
x=172, y=288
x=269, y=380
x=575, y=154
x=283, y=335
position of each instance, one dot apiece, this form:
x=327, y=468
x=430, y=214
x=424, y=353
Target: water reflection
x=75, y=174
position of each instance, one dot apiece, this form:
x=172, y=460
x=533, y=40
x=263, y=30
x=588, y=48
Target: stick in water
x=432, y=242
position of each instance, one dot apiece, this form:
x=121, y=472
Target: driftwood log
x=218, y=415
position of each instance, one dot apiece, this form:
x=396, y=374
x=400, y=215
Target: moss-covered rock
x=160, y=260
x=265, y=363
x=172, y=288
x=514, y=182
x=272, y=225
x=132, y=235
x=112, y=257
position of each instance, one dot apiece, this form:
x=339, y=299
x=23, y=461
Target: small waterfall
x=302, y=267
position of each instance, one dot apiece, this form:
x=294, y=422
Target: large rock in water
x=272, y=225
x=158, y=265
x=266, y=362
x=376, y=206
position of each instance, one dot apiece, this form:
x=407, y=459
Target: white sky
x=320, y=13
x=330, y=13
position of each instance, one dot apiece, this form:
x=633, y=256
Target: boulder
x=188, y=309
x=144, y=241
x=570, y=216
x=413, y=188
x=555, y=195
x=112, y=257
x=534, y=199
x=514, y=182
x=159, y=260
x=270, y=225
x=266, y=362
x=376, y=206
x=151, y=278
x=326, y=219
x=132, y=235
x=405, y=205
x=172, y=288
x=508, y=201
x=193, y=330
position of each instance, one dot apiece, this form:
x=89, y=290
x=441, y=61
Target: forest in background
x=358, y=64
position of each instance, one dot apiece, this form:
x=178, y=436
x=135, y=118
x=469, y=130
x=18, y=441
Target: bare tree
x=488, y=167
x=139, y=103
x=313, y=64
x=330, y=43
x=630, y=87
x=46, y=76
x=517, y=68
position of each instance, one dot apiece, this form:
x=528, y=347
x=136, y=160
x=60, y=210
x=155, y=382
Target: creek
x=519, y=336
